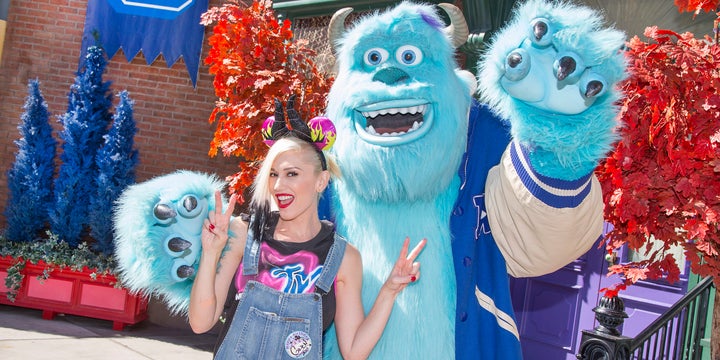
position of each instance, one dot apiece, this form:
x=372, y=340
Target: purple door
x=552, y=310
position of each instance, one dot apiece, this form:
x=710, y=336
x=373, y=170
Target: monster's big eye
x=409, y=55
x=375, y=56
x=541, y=32
x=189, y=206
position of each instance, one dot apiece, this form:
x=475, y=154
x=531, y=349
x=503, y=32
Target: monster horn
x=337, y=26
x=458, y=28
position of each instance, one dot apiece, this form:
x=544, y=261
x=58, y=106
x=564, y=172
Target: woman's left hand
x=406, y=270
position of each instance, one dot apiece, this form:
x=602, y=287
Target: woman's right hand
x=214, y=234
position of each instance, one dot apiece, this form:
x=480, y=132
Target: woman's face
x=295, y=183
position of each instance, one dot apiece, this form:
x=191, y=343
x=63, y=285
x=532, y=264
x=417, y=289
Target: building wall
x=43, y=41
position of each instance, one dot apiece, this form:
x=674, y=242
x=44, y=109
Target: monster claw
x=540, y=29
x=567, y=66
x=177, y=244
x=593, y=88
x=185, y=271
x=164, y=213
x=514, y=59
x=190, y=203
x=541, y=32
x=517, y=65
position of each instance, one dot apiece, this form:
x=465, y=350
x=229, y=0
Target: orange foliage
x=255, y=59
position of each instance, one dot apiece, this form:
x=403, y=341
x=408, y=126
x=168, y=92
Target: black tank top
x=292, y=267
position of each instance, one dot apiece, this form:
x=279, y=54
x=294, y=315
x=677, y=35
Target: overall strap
x=332, y=265
x=251, y=257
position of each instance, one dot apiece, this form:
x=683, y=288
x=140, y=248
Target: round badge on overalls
x=298, y=344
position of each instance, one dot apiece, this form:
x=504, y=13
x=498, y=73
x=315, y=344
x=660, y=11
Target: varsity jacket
x=510, y=220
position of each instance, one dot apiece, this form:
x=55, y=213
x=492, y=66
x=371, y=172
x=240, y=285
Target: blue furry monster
x=157, y=239
x=529, y=202
x=400, y=106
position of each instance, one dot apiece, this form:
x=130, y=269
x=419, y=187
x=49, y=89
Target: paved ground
x=25, y=335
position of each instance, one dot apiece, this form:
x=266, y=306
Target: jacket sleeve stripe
x=552, y=192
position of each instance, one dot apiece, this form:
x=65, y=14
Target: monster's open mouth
x=394, y=121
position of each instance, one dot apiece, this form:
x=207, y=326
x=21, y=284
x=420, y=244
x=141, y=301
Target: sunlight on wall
x=677, y=251
x=3, y=24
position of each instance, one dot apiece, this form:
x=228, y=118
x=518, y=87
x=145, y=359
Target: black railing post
x=605, y=341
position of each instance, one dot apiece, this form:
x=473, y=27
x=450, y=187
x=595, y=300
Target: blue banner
x=168, y=27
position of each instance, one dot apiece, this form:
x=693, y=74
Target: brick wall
x=43, y=40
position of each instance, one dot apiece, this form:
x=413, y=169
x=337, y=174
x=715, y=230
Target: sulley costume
x=400, y=107
x=509, y=192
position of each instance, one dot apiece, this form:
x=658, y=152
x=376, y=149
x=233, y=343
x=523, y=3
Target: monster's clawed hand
x=182, y=220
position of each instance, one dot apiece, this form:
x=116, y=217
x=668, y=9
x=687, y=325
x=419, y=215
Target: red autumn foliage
x=663, y=178
x=255, y=59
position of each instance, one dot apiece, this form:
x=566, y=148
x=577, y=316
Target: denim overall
x=270, y=324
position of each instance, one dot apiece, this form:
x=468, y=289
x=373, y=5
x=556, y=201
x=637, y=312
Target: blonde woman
x=289, y=275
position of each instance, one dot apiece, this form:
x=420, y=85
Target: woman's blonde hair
x=262, y=196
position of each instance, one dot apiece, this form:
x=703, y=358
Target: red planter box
x=74, y=293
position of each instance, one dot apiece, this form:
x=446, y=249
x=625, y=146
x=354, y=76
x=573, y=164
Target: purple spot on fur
x=432, y=20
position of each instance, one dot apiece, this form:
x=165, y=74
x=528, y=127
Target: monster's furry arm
x=157, y=234
x=552, y=73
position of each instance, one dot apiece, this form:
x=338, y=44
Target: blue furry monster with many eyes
x=157, y=234
x=400, y=107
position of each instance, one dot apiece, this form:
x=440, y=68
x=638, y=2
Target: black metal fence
x=675, y=335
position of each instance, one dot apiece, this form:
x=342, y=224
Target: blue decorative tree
x=116, y=170
x=30, y=178
x=85, y=124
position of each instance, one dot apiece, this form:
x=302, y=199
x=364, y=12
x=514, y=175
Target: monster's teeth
x=370, y=114
x=371, y=130
x=392, y=111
